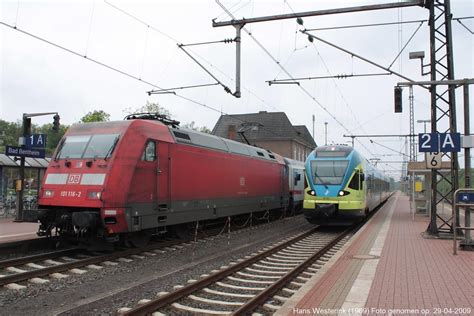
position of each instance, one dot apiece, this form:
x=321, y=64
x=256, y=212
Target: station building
x=269, y=130
x=10, y=172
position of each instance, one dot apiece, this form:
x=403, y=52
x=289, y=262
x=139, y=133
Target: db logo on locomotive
x=74, y=179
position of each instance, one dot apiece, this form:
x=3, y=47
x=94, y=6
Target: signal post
x=30, y=145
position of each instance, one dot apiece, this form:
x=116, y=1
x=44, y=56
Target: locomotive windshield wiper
x=320, y=179
x=60, y=147
x=111, y=149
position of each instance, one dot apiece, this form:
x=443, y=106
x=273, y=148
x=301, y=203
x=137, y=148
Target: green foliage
x=52, y=137
x=95, y=116
x=149, y=107
x=192, y=125
x=444, y=186
x=10, y=132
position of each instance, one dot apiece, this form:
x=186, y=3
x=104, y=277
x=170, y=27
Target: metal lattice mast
x=412, y=127
x=443, y=114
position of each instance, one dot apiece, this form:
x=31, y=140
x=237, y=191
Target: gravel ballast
x=106, y=290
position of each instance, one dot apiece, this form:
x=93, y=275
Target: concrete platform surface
x=11, y=231
x=388, y=268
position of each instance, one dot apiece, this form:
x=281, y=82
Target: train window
x=150, y=151
x=297, y=177
x=355, y=181
x=73, y=147
x=328, y=171
x=101, y=146
x=87, y=146
x=260, y=154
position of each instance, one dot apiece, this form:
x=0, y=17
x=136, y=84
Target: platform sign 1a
x=439, y=142
x=35, y=141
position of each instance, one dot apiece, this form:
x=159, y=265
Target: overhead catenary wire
x=289, y=75
x=102, y=64
x=226, y=88
x=90, y=28
x=406, y=44
x=283, y=69
x=117, y=70
x=391, y=149
x=176, y=41
x=122, y=72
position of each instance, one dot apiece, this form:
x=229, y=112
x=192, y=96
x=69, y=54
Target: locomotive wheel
x=184, y=231
x=139, y=239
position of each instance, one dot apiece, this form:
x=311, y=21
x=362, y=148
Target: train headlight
x=311, y=192
x=48, y=193
x=343, y=193
x=94, y=195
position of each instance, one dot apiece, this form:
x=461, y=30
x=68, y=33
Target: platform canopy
x=9, y=161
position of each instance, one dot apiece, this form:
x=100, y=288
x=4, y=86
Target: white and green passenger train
x=341, y=186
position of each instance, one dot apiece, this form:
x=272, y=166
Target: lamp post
x=424, y=123
x=21, y=181
x=325, y=133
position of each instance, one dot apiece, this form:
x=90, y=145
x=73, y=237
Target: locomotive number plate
x=74, y=194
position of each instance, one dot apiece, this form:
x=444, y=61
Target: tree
x=9, y=133
x=95, y=116
x=52, y=137
x=149, y=107
x=192, y=125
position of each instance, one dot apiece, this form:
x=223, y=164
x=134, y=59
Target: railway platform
x=389, y=268
x=16, y=231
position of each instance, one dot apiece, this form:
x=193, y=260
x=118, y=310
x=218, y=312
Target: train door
x=357, y=184
x=163, y=177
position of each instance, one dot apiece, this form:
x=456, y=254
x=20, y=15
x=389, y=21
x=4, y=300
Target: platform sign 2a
x=439, y=142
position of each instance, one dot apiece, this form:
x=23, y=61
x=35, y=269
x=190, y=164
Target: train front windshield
x=87, y=146
x=328, y=171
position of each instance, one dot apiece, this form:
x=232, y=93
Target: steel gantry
x=443, y=114
x=443, y=111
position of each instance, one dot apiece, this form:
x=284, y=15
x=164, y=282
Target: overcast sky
x=141, y=41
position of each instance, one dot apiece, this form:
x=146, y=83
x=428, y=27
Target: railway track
x=260, y=283
x=24, y=246
x=40, y=268
x=246, y=285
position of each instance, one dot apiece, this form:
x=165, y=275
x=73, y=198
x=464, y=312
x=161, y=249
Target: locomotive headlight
x=311, y=192
x=343, y=193
x=48, y=193
x=94, y=195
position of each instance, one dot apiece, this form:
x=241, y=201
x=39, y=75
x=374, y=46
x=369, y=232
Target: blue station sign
x=465, y=197
x=24, y=152
x=439, y=142
x=35, y=141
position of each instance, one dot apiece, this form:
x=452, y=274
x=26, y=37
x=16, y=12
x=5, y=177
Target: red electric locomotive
x=140, y=176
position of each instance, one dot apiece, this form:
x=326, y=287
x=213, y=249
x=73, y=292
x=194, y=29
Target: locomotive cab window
x=87, y=146
x=329, y=171
x=149, y=154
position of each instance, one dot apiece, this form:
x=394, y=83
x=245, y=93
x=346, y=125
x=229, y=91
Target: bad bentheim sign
x=24, y=152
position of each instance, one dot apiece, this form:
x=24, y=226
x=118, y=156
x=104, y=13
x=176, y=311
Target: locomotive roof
x=192, y=137
x=183, y=136
x=333, y=151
